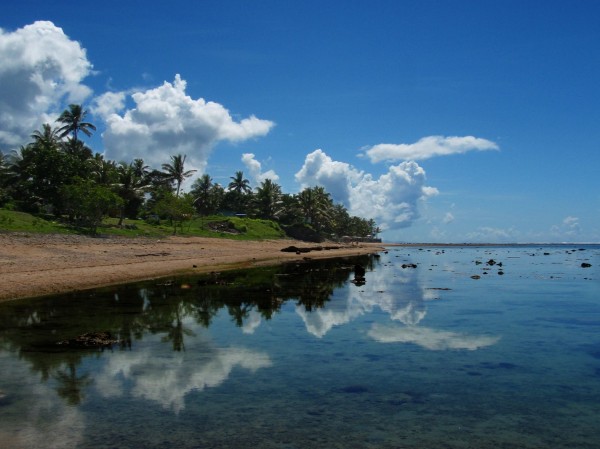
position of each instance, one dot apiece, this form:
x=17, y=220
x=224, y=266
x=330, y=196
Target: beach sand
x=39, y=264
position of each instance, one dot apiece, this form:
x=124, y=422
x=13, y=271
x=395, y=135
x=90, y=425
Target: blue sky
x=445, y=121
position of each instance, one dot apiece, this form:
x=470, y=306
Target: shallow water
x=300, y=356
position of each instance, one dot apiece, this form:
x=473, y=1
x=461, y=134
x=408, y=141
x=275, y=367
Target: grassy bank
x=213, y=226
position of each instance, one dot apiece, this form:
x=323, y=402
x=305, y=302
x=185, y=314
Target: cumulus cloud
x=391, y=200
x=255, y=169
x=166, y=120
x=428, y=147
x=41, y=69
x=108, y=103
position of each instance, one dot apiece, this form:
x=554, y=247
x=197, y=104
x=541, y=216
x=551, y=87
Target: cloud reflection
x=435, y=340
x=405, y=303
x=46, y=422
x=161, y=375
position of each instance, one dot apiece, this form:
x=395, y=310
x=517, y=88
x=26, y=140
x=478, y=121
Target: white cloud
x=167, y=121
x=569, y=227
x=448, y=218
x=428, y=147
x=435, y=340
x=489, y=234
x=108, y=103
x=255, y=169
x=41, y=69
x=391, y=200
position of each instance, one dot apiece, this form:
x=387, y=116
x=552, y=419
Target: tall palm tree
x=74, y=121
x=268, y=199
x=316, y=204
x=238, y=184
x=175, y=171
x=239, y=193
x=140, y=168
x=129, y=187
x=47, y=138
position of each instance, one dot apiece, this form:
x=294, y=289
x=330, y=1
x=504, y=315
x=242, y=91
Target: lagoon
x=297, y=356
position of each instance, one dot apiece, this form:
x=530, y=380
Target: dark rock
x=359, y=271
x=90, y=340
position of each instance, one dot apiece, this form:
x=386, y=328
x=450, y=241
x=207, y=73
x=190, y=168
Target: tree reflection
x=70, y=385
x=32, y=328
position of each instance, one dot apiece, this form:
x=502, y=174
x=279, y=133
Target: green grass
x=231, y=227
x=23, y=222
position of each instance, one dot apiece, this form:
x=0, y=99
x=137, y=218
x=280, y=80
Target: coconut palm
x=129, y=187
x=175, y=171
x=74, y=121
x=268, y=199
x=47, y=138
x=238, y=184
x=239, y=193
x=316, y=205
x=140, y=168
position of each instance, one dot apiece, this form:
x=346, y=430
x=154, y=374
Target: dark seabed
x=304, y=356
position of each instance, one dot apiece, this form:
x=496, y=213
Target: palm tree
x=239, y=192
x=175, y=172
x=202, y=190
x=74, y=121
x=47, y=138
x=268, y=199
x=141, y=170
x=130, y=187
x=238, y=184
x=316, y=205
x=102, y=171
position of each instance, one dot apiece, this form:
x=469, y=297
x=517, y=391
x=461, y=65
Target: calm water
x=301, y=357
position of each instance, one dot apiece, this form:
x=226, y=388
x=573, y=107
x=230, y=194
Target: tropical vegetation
x=56, y=175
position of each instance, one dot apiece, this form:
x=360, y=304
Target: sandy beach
x=37, y=264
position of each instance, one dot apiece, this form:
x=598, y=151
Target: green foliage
x=87, y=203
x=177, y=210
x=56, y=173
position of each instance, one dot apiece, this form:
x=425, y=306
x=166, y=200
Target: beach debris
x=586, y=265
x=475, y=276
x=409, y=265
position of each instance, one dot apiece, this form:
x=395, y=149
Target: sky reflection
x=158, y=374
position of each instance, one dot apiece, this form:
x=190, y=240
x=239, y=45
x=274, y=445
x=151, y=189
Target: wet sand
x=38, y=264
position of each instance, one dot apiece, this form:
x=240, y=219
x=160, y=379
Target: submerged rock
x=91, y=340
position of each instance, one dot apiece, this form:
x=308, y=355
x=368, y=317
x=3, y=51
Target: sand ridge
x=42, y=264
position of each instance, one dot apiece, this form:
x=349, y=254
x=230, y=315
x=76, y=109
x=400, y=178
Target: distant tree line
x=56, y=173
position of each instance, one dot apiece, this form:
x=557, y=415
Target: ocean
x=434, y=347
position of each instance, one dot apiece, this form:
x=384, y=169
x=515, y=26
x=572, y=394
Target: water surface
x=304, y=356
